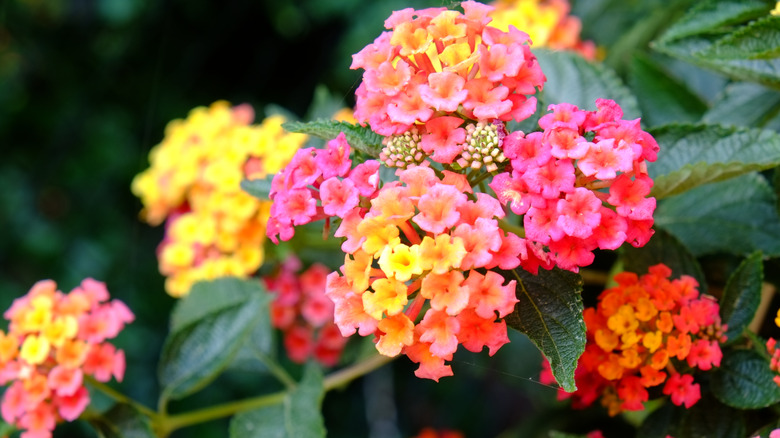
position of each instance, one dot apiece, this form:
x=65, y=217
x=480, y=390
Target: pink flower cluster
x=435, y=67
x=53, y=341
x=581, y=183
x=317, y=184
x=304, y=314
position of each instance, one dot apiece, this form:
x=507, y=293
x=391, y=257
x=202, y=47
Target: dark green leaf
x=744, y=381
x=766, y=430
x=208, y=329
x=572, y=79
x=742, y=295
x=360, y=138
x=746, y=104
x=298, y=416
x=710, y=419
x=259, y=188
x=758, y=40
x=718, y=35
x=662, y=98
x=737, y=216
x=661, y=423
x=713, y=16
x=550, y=314
x=663, y=248
x=207, y=298
x=123, y=421
x=692, y=155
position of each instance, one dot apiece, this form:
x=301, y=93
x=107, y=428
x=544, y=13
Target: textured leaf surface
x=742, y=295
x=708, y=418
x=744, y=381
x=719, y=35
x=358, y=137
x=692, y=155
x=550, y=314
x=572, y=79
x=123, y=421
x=662, y=98
x=746, y=104
x=298, y=416
x=207, y=338
x=737, y=216
x=663, y=248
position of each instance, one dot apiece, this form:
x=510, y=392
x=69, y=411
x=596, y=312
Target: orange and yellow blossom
x=633, y=345
x=409, y=255
x=213, y=227
x=547, y=22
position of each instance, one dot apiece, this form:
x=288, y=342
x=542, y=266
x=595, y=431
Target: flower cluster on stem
x=53, y=341
x=646, y=332
x=304, y=314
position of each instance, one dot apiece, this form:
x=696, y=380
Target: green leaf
x=746, y=104
x=742, y=295
x=718, y=35
x=758, y=40
x=710, y=419
x=557, y=434
x=737, y=216
x=298, y=416
x=663, y=248
x=572, y=79
x=123, y=421
x=744, y=381
x=209, y=326
x=360, y=138
x=692, y=155
x=550, y=314
x=714, y=16
x=259, y=188
x=661, y=423
x=662, y=98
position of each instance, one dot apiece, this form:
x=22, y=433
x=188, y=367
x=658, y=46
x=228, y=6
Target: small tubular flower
x=53, y=341
x=214, y=228
x=632, y=347
x=304, y=314
x=448, y=63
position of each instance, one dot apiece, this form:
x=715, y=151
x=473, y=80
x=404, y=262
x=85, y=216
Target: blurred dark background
x=86, y=89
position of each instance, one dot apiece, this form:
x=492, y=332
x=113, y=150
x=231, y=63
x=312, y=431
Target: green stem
x=506, y=226
x=276, y=370
x=119, y=397
x=334, y=380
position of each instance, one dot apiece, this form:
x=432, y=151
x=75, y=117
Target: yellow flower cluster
x=213, y=228
x=547, y=22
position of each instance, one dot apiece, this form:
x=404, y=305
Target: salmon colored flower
x=53, y=341
x=304, y=314
x=547, y=23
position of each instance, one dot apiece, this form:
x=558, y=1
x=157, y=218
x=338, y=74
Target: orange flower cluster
x=547, y=22
x=53, y=341
x=213, y=228
x=304, y=314
x=647, y=331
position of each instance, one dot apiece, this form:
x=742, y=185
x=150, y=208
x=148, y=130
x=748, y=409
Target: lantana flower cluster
x=213, y=227
x=581, y=183
x=774, y=353
x=547, y=23
x=304, y=314
x=434, y=66
x=646, y=332
x=53, y=341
